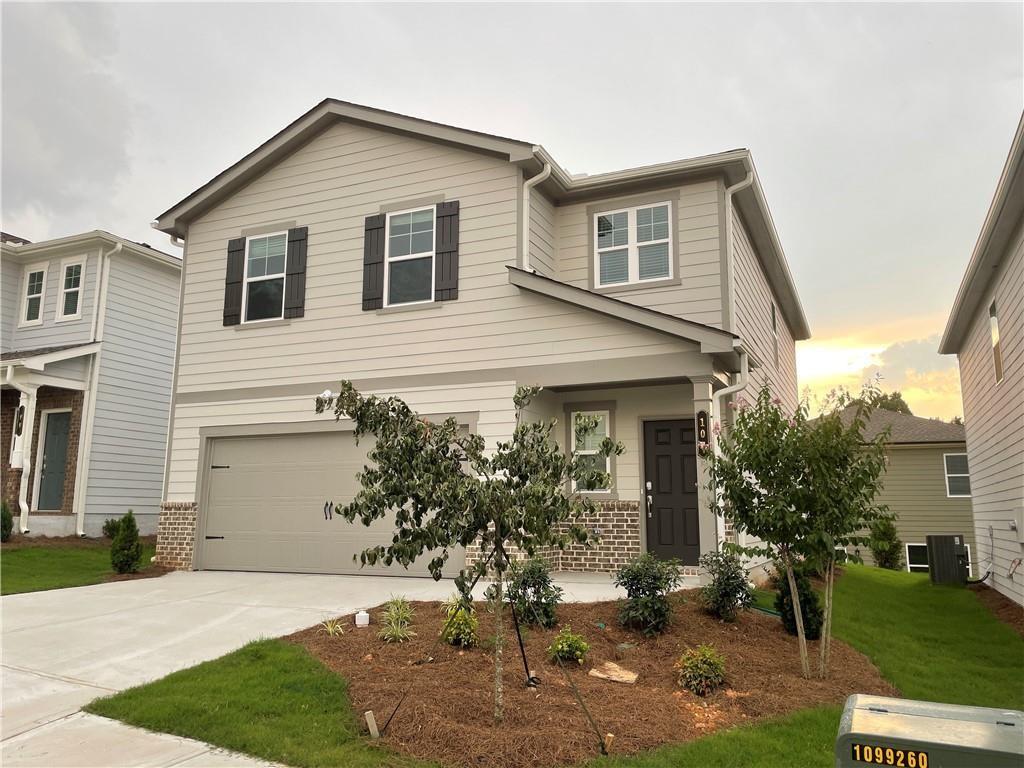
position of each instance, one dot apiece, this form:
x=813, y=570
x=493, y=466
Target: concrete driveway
x=63, y=648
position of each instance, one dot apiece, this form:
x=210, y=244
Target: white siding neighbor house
x=448, y=266
x=88, y=331
x=986, y=333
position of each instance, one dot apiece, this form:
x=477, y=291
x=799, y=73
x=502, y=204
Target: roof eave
x=91, y=238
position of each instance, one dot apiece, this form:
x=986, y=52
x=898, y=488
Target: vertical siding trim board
x=373, y=262
x=295, y=273
x=233, y=278
x=446, y=269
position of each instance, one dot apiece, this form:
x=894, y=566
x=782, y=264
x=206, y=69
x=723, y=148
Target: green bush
x=885, y=545
x=6, y=522
x=395, y=620
x=532, y=594
x=568, y=646
x=126, y=549
x=110, y=527
x=647, y=582
x=729, y=589
x=460, y=622
x=810, y=606
x=702, y=670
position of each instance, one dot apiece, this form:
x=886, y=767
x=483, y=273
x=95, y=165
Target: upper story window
x=997, y=350
x=775, y=334
x=263, y=296
x=69, y=304
x=409, y=257
x=592, y=443
x=958, y=479
x=633, y=245
x=32, y=293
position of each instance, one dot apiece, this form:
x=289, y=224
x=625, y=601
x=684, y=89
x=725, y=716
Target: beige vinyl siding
x=698, y=296
x=994, y=417
x=914, y=489
x=543, y=234
x=753, y=298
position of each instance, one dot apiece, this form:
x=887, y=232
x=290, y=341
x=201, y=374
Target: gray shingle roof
x=909, y=429
x=22, y=353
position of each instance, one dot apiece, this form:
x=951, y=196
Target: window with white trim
x=633, y=245
x=917, y=558
x=997, y=349
x=592, y=444
x=263, y=295
x=32, y=293
x=409, y=257
x=958, y=478
x=69, y=304
x=775, y=334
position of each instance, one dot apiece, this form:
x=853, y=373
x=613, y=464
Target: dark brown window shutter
x=295, y=274
x=446, y=265
x=373, y=262
x=233, y=282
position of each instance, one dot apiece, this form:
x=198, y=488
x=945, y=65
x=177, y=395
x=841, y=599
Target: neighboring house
x=87, y=352
x=986, y=332
x=926, y=483
x=448, y=266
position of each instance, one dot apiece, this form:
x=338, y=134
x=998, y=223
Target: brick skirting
x=176, y=534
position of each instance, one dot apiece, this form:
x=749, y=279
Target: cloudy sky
x=879, y=131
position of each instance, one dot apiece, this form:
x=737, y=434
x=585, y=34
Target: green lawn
x=34, y=568
x=274, y=701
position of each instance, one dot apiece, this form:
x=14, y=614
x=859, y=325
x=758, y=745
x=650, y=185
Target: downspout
x=28, y=395
x=527, y=186
x=730, y=248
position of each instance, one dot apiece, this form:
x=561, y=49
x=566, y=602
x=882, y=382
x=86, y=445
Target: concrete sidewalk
x=63, y=648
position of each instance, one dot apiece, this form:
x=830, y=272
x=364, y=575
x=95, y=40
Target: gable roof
x=561, y=186
x=1004, y=213
x=906, y=429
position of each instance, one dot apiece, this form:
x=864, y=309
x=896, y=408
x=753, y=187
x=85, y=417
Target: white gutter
x=740, y=383
x=527, y=186
x=24, y=459
x=729, y=239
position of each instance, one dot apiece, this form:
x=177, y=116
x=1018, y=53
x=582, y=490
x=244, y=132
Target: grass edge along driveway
x=36, y=568
x=274, y=701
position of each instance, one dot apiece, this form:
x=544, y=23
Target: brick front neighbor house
x=448, y=266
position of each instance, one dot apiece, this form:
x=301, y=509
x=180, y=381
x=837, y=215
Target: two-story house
x=986, y=332
x=448, y=266
x=86, y=360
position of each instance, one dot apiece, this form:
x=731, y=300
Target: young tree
x=444, y=490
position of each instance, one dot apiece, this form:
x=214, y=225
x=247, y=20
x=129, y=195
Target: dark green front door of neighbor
x=55, y=459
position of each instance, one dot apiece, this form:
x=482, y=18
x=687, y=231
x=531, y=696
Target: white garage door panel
x=266, y=499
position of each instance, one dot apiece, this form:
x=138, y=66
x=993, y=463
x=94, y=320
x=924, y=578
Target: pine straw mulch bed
x=1002, y=607
x=448, y=715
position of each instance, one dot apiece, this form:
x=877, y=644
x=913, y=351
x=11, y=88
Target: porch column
x=21, y=449
x=711, y=532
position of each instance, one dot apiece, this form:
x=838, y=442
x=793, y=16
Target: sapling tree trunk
x=499, y=649
x=825, y=648
x=798, y=616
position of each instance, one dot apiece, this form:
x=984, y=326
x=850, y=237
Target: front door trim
x=40, y=453
x=645, y=423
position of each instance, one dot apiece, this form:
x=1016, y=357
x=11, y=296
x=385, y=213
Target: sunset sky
x=878, y=130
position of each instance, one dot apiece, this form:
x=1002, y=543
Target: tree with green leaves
x=885, y=401
x=443, y=489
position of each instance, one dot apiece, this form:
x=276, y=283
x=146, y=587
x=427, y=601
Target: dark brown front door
x=670, y=469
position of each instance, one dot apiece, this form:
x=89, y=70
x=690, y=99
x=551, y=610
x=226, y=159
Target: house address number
x=702, y=427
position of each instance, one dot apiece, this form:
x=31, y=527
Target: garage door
x=265, y=507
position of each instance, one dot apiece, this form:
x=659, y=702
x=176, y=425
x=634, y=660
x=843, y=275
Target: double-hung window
x=633, y=245
x=958, y=478
x=33, y=290
x=263, y=296
x=409, y=257
x=588, y=451
x=997, y=350
x=69, y=304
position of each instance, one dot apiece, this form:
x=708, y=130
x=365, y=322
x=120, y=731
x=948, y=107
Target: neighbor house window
x=917, y=558
x=69, y=304
x=633, y=245
x=264, y=277
x=588, y=451
x=958, y=480
x=997, y=350
x=775, y=334
x=409, y=257
x=33, y=289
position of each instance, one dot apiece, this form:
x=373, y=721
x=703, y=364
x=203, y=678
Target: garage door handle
x=214, y=537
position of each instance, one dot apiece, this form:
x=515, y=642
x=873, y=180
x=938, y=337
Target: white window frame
x=995, y=338
x=40, y=447
x=572, y=444
x=409, y=257
x=633, y=246
x=41, y=266
x=283, y=274
x=62, y=291
x=775, y=332
x=906, y=558
x=946, y=472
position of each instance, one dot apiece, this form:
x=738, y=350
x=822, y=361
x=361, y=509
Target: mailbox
x=901, y=733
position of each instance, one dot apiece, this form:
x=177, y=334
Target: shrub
x=810, y=607
x=332, y=627
x=461, y=622
x=532, y=594
x=702, y=670
x=125, y=549
x=729, y=590
x=647, y=582
x=568, y=646
x=110, y=527
x=6, y=522
x=885, y=545
x=395, y=621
